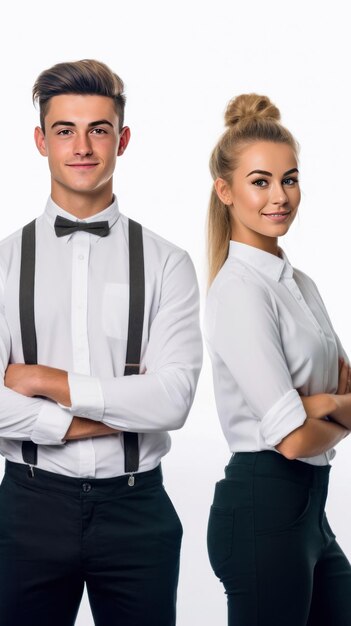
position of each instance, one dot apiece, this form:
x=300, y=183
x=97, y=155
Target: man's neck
x=82, y=205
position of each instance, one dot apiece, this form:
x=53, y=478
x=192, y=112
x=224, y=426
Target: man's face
x=82, y=141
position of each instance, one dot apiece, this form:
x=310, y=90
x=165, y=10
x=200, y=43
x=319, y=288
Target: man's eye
x=99, y=131
x=64, y=131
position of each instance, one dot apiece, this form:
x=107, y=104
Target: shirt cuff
x=87, y=399
x=51, y=425
x=285, y=416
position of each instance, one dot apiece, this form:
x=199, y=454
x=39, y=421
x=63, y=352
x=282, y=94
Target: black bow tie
x=67, y=227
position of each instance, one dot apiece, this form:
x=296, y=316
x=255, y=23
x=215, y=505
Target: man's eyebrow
x=62, y=123
x=100, y=123
x=264, y=173
x=90, y=125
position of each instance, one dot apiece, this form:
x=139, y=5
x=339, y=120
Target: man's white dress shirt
x=81, y=315
x=270, y=339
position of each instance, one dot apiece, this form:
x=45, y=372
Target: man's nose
x=83, y=146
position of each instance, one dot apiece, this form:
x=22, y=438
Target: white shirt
x=81, y=314
x=268, y=335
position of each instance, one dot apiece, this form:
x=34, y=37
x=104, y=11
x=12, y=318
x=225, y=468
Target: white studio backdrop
x=181, y=62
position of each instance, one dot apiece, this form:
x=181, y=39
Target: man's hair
x=87, y=77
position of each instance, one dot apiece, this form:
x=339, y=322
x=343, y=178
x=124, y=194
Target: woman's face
x=264, y=194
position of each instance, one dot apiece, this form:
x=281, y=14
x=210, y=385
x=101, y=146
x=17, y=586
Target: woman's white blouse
x=270, y=339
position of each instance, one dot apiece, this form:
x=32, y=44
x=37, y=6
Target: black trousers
x=59, y=533
x=270, y=544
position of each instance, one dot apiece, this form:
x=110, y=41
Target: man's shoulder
x=154, y=241
x=10, y=248
x=8, y=243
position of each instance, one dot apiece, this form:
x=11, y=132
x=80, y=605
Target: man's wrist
x=52, y=383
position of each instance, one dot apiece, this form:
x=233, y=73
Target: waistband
x=273, y=464
x=81, y=487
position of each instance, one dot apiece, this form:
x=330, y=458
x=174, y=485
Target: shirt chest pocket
x=115, y=310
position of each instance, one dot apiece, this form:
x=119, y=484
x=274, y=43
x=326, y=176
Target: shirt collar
x=269, y=264
x=111, y=214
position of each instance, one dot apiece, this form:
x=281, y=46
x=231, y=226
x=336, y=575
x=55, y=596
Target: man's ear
x=124, y=138
x=223, y=191
x=39, y=139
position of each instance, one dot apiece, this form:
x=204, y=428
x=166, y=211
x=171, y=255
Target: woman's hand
x=342, y=398
x=344, y=384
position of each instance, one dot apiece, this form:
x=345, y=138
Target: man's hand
x=39, y=380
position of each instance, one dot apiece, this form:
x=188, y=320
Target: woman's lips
x=277, y=217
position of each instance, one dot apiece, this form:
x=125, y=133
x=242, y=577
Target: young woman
x=282, y=386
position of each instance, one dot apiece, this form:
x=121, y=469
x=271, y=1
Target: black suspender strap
x=27, y=321
x=135, y=325
x=135, y=330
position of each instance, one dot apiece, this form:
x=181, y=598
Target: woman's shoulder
x=238, y=276
x=235, y=283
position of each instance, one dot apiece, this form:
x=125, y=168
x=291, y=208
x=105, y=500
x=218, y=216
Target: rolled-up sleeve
x=285, y=416
x=246, y=337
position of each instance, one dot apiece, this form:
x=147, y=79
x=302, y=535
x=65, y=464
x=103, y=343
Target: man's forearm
x=82, y=428
x=39, y=380
x=53, y=383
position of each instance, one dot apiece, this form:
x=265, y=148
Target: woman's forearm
x=341, y=412
x=337, y=406
x=314, y=437
x=318, y=406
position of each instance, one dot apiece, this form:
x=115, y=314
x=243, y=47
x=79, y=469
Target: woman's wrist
x=319, y=405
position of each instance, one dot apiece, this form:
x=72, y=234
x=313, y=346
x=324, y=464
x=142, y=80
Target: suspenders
x=135, y=327
x=29, y=336
x=135, y=332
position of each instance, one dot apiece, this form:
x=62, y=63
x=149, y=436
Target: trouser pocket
x=279, y=504
x=220, y=536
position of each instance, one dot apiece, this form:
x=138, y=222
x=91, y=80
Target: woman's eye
x=260, y=182
x=290, y=181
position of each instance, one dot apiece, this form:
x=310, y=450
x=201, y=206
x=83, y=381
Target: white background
x=181, y=62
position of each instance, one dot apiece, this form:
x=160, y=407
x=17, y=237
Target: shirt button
x=86, y=487
x=81, y=257
x=298, y=296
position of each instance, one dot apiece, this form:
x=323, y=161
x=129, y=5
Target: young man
x=88, y=298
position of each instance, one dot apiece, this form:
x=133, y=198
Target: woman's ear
x=223, y=191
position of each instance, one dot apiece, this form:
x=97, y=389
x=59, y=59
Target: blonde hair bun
x=250, y=106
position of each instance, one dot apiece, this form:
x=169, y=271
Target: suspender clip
x=31, y=471
x=131, y=480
